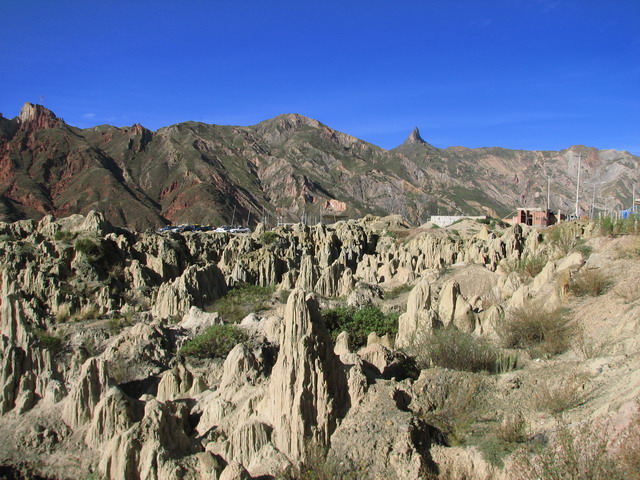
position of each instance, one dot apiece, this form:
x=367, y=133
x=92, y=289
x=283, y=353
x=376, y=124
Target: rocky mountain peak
x=414, y=137
x=37, y=117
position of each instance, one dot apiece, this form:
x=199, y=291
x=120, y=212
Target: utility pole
x=548, y=193
x=580, y=157
x=233, y=219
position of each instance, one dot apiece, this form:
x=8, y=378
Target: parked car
x=223, y=229
x=240, y=230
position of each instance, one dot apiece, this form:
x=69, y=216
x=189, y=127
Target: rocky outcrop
x=420, y=319
x=197, y=286
x=90, y=345
x=306, y=394
x=148, y=449
x=402, y=441
x=91, y=385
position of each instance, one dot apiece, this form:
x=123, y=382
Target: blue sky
x=527, y=74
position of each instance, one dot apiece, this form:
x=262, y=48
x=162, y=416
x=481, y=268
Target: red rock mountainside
x=288, y=166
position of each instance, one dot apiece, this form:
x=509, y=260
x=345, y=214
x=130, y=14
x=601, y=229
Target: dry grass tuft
x=559, y=396
x=590, y=282
x=538, y=330
x=582, y=453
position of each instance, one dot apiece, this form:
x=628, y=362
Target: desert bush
x=612, y=226
x=50, y=342
x=506, y=362
x=588, y=347
x=215, y=342
x=564, y=237
x=451, y=348
x=556, y=397
x=504, y=438
x=454, y=403
x=576, y=454
x=117, y=324
x=283, y=295
x=65, y=236
x=241, y=301
x=359, y=323
x=631, y=225
x=89, y=248
x=88, y=312
x=536, y=329
x=512, y=429
x=589, y=281
x=528, y=265
x=316, y=466
x=63, y=313
x=397, y=291
x=268, y=237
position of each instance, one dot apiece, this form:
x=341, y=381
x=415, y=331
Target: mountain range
x=289, y=168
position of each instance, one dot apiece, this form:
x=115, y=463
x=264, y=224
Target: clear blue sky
x=529, y=74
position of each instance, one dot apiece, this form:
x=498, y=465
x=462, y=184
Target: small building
x=535, y=217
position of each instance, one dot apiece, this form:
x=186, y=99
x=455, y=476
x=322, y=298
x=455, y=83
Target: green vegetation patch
x=241, y=301
x=215, y=342
x=359, y=323
x=93, y=251
x=50, y=342
x=65, y=236
x=269, y=237
x=527, y=265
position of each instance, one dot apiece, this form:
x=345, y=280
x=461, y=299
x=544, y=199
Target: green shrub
x=117, y=324
x=451, y=348
x=613, y=226
x=269, y=237
x=359, y=323
x=539, y=330
x=631, y=224
x=65, y=236
x=527, y=265
x=589, y=282
x=283, y=295
x=397, y=291
x=241, y=301
x=504, y=438
x=564, y=237
x=53, y=343
x=506, y=362
x=91, y=249
x=215, y=342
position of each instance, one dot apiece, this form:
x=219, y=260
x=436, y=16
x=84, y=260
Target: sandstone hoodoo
x=360, y=349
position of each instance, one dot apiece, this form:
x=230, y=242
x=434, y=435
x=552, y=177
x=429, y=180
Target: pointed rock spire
x=414, y=137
